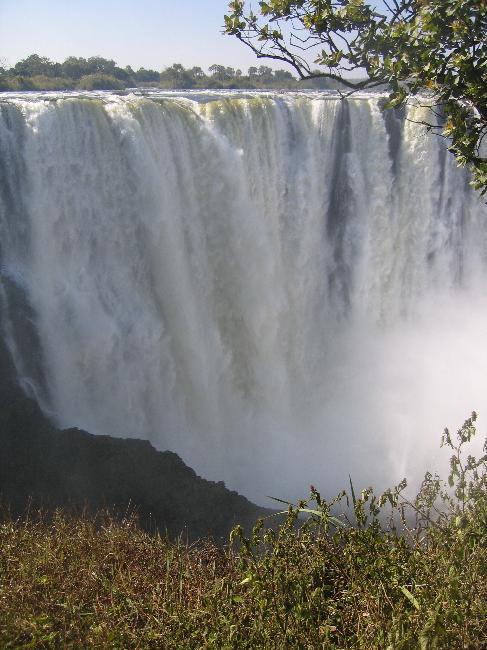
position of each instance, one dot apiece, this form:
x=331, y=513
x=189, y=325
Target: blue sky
x=149, y=33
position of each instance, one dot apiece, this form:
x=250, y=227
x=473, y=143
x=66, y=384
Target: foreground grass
x=419, y=581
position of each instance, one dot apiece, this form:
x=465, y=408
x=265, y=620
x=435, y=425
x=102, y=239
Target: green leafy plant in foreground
x=389, y=572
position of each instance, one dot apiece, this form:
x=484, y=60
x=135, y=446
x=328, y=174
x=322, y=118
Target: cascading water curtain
x=281, y=288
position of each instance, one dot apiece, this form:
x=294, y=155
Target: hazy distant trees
x=75, y=67
x=221, y=72
x=35, y=65
x=283, y=75
x=176, y=76
x=37, y=72
x=3, y=78
x=265, y=73
x=143, y=74
x=222, y=76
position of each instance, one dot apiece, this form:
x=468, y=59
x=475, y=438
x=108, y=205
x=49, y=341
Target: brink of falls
x=281, y=288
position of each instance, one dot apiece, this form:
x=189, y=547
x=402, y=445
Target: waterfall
x=282, y=288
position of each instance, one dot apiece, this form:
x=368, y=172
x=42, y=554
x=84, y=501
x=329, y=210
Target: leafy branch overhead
x=438, y=47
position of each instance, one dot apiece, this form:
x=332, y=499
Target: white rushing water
x=281, y=288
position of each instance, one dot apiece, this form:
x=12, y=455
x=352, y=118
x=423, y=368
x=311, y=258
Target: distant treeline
x=96, y=73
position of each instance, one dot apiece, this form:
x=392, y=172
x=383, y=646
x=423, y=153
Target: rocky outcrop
x=45, y=467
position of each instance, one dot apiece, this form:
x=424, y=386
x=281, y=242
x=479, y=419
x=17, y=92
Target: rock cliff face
x=47, y=467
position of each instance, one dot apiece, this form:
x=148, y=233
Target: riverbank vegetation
x=391, y=573
x=96, y=73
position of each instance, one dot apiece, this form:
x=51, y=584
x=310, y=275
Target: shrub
x=15, y=83
x=420, y=580
x=41, y=82
x=99, y=82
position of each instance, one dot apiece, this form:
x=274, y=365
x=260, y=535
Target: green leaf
x=397, y=99
x=409, y=596
x=354, y=499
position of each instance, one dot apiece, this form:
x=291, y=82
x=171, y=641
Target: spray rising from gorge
x=281, y=288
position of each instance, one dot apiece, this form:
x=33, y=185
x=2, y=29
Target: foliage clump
x=412, y=46
x=388, y=573
x=99, y=81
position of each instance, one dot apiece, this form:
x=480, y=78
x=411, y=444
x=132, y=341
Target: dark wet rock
x=48, y=468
